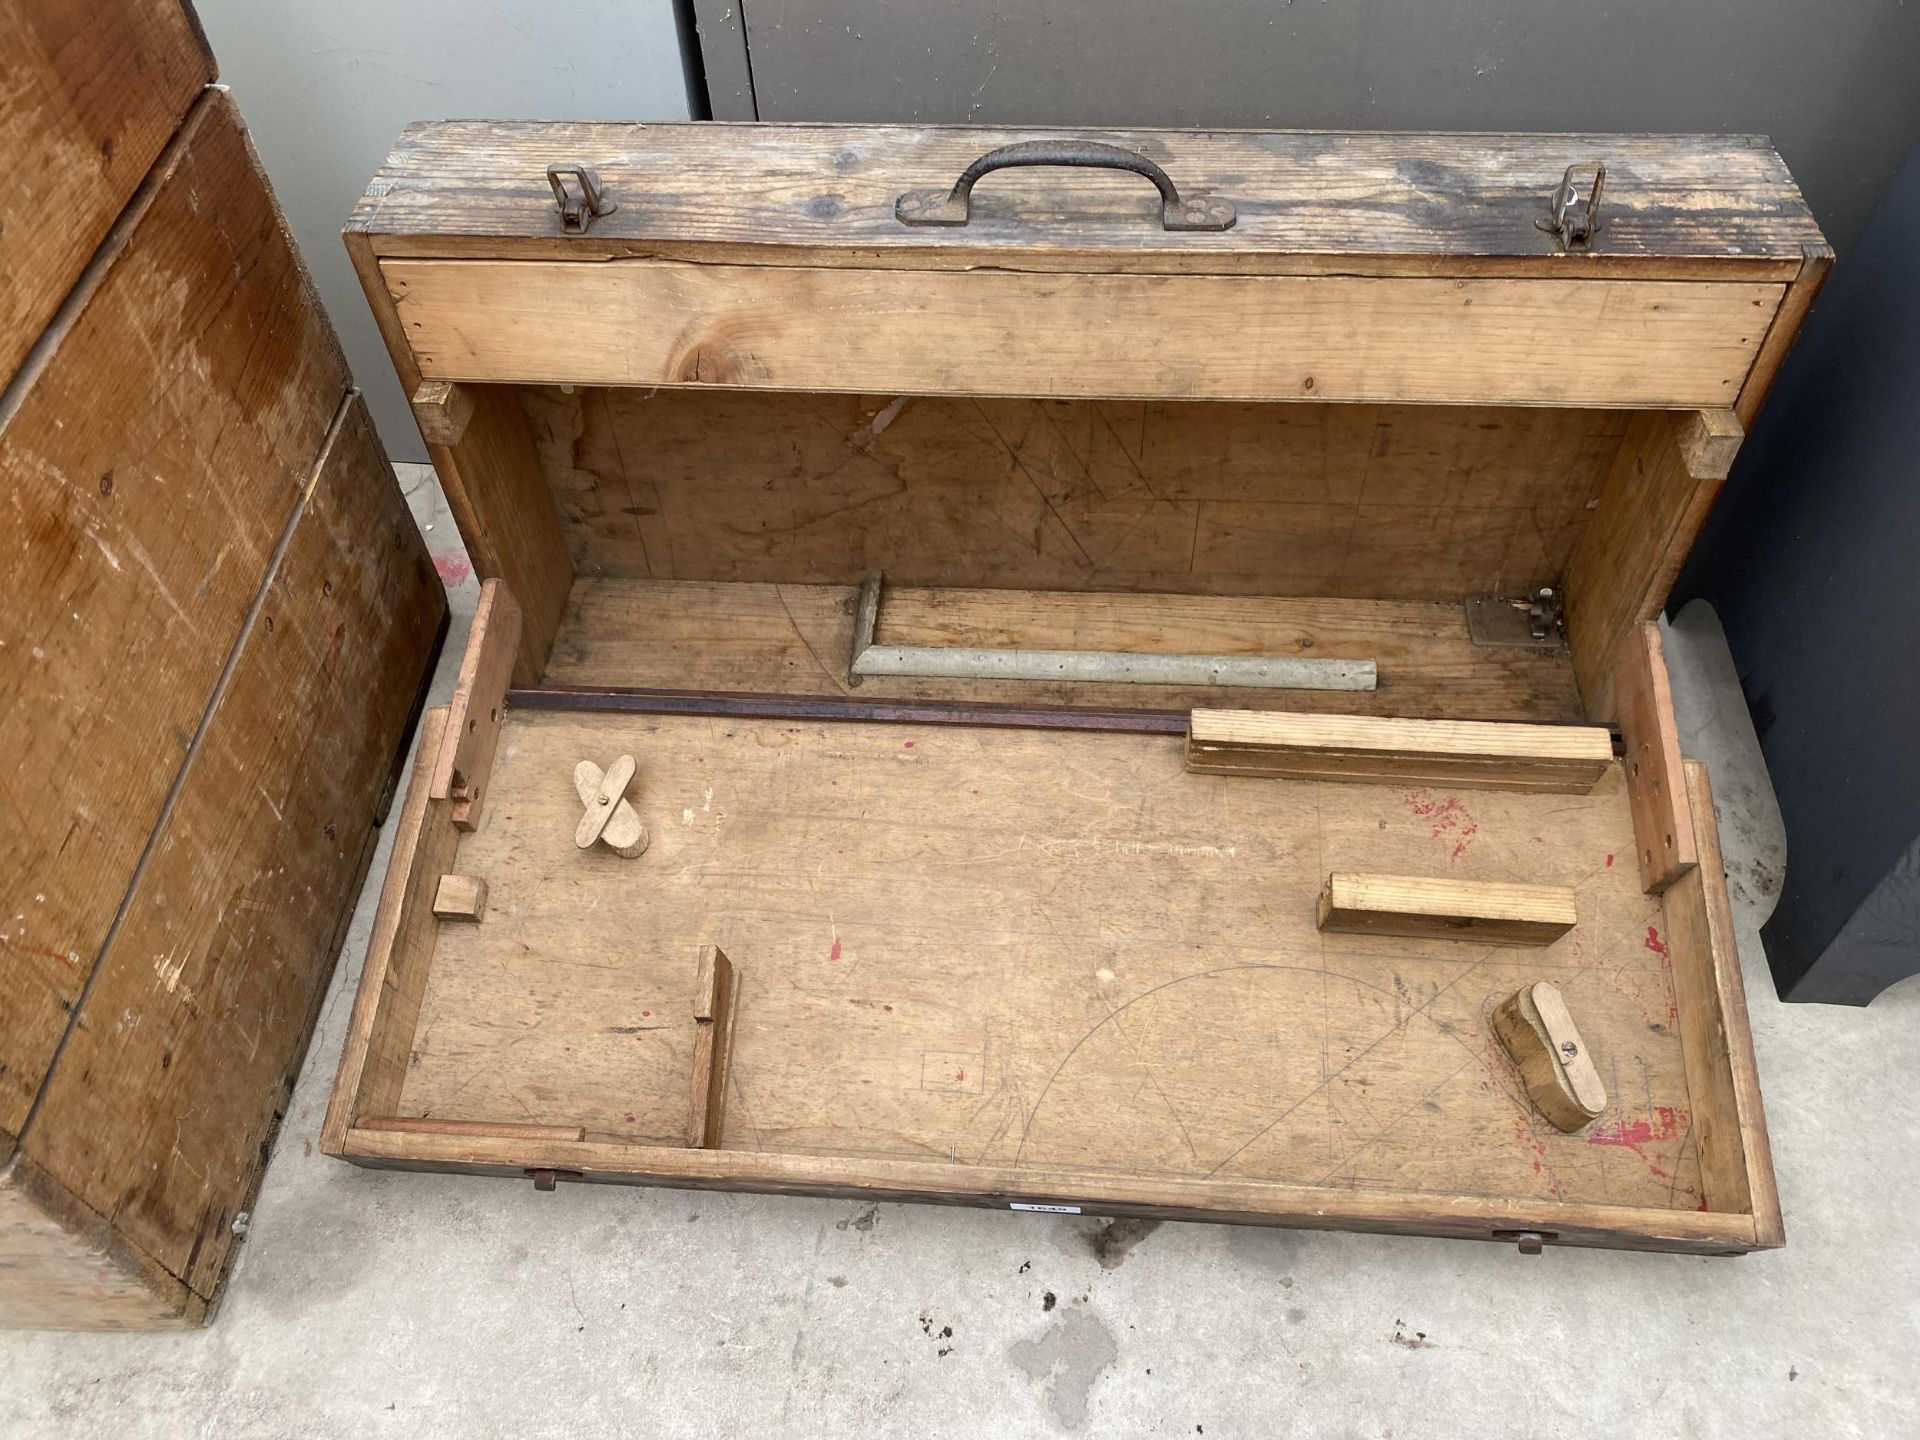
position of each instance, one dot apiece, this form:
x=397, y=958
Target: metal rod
x=615, y=700
x=1116, y=667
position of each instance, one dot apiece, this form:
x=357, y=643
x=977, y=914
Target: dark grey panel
x=1832, y=83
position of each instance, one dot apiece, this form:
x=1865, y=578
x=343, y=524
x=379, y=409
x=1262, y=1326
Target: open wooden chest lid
x=1674, y=206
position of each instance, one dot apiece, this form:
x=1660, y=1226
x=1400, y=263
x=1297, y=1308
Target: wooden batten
x=639, y=322
x=713, y=990
x=1663, y=820
x=373, y=1064
x=1729, y=1120
x=1427, y=909
x=1462, y=755
x=442, y=411
x=465, y=756
x=469, y=1129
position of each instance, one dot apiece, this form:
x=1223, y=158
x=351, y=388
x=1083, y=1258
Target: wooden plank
x=1467, y=1217
x=793, y=640
x=644, y=322
x=1390, y=502
x=1729, y=1119
x=493, y=484
x=468, y=1129
x=134, y=546
x=1648, y=514
x=87, y=103
x=1371, y=750
x=479, y=704
x=1663, y=820
x=386, y=1008
x=182, y=1057
x=442, y=411
x=1785, y=329
x=63, y=1268
x=1679, y=205
x=460, y=897
x=1427, y=909
x=1090, y=876
x=713, y=997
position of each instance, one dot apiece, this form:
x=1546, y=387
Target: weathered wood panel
x=1395, y=502
x=186, y=1048
x=996, y=332
x=89, y=96
x=1346, y=203
x=149, y=465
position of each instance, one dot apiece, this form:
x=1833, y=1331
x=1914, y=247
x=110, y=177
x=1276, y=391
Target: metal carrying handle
x=579, y=211
x=1571, y=221
x=954, y=207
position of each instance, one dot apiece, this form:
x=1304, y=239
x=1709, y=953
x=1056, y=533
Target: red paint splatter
x=646, y=1014
x=65, y=957
x=1664, y=1125
x=629, y=1119
x=453, y=569
x=959, y=1076
x=834, y=953
x=1448, y=817
x=1609, y=862
x=1654, y=942
x=907, y=744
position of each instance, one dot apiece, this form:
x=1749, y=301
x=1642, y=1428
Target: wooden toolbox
x=1088, y=695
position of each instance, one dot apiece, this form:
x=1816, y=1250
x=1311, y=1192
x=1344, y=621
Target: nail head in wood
x=460, y=897
x=1537, y=1030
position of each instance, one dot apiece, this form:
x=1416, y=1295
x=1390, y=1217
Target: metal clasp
x=1574, y=221
x=579, y=211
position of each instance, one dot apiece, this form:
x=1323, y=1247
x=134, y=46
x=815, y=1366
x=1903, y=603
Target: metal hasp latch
x=1534, y=621
x=578, y=210
x=1574, y=222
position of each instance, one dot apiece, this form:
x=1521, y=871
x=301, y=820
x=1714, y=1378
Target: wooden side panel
x=796, y=640
x=1729, y=1121
x=148, y=465
x=1663, y=819
x=1387, y=501
x=640, y=322
x=170, y=1087
x=386, y=1008
x=1649, y=513
x=62, y=1269
x=89, y=96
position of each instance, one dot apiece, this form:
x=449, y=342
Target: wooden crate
x=215, y=621
x=955, y=936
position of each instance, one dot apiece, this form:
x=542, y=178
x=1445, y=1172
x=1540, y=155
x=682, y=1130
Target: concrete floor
x=427, y=1305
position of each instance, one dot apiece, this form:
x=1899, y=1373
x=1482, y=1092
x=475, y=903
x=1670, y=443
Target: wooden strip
x=373, y=1063
x=460, y=897
x=470, y=1129
x=1409, y=905
x=1785, y=329
x=713, y=1028
x=479, y=705
x=1694, y=205
x=494, y=486
x=442, y=411
x=1729, y=1119
x=1663, y=821
x=1538, y=1032
x=1232, y=1201
x=1708, y=440
x=1478, y=755
x=1649, y=512
x=1116, y=667
x=639, y=322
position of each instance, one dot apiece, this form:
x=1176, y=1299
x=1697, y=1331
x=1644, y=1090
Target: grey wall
x=1831, y=81
x=327, y=86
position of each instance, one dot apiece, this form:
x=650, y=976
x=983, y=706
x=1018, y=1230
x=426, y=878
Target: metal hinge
x=578, y=211
x=1533, y=621
x=1573, y=221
